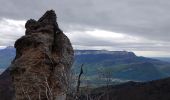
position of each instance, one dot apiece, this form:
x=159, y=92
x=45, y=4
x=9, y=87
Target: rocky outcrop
x=6, y=88
x=44, y=56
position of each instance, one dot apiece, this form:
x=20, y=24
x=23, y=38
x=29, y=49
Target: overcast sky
x=142, y=26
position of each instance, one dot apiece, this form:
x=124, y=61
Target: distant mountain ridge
x=124, y=65
x=85, y=52
x=166, y=59
x=6, y=56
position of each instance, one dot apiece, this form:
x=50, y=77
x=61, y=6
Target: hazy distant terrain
x=6, y=56
x=167, y=59
x=123, y=65
x=2, y=70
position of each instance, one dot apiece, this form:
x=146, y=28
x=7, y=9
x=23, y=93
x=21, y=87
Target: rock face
x=44, y=56
x=6, y=89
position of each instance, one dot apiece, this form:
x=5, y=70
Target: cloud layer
x=137, y=25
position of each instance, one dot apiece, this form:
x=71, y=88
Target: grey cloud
x=87, y=41
x=149, y=19
x=145, y=18
x=10, y=31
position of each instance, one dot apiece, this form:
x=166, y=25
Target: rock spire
x=44, y=56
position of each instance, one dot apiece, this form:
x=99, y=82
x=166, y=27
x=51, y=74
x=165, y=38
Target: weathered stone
x=43, y=60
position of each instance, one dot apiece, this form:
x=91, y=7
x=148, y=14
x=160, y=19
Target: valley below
x=117, y=75
x=122, y=66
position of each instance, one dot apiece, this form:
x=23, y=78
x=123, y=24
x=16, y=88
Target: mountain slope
x=122, y=64
x=6, y=56
x=144, y=71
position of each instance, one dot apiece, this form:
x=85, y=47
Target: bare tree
x=77, y=94
x=79, y=81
